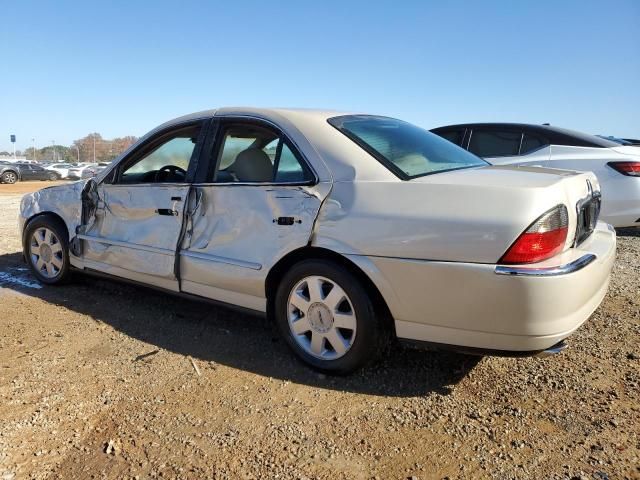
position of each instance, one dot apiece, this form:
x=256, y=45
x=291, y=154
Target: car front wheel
x=9, y=177
x=46, y=249
x=326, y=316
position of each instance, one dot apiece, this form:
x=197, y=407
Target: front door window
x=165, y=160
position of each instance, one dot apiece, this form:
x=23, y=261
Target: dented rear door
x=238, y=232
x=259, y=201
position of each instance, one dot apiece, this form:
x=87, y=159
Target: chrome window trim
x=255, y=184
x=218, y=259
x=565, y=269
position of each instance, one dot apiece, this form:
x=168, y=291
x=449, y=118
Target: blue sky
x=122, y=67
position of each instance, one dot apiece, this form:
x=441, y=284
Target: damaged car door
x=138, y=217
x=258, y=202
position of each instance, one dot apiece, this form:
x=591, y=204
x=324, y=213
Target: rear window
x=454, y=136
x=531, y=143
x=490, y=143
x=406, y=150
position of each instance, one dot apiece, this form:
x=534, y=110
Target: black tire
x=53, y=176
x=9, y=177
x=371, y=338
x=59, y=229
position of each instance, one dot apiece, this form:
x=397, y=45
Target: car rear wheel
x=46, y=248
x=327, y=318
x=9, y=177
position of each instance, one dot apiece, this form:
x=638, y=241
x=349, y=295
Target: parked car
x=61, y=168
x=87, y=170
x=358, y=230
x=12, y=172
x=621, y=141
x=616, y=166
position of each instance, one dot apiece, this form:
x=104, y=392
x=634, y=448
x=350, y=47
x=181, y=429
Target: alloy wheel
x=46, y=252
x=10, y=177
x=321, y=318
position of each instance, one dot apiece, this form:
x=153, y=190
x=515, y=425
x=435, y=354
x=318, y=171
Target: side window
x=454, y=136
x=488, y=143
x=289, y=168
x=163, y=160
x=531, y=143
x=253, y=154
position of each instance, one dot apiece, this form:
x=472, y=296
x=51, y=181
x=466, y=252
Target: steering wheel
x=163, y=173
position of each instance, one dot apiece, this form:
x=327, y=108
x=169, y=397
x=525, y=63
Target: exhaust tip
x=553, y=350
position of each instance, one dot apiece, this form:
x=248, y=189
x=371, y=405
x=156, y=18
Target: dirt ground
x=26, y=187
x=105, y=380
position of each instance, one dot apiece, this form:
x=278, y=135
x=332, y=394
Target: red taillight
x=631, y=169
x=543, y=239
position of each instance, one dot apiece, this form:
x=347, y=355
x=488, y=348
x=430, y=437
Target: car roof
x=267, y=113
x=555, y=135
x=330, y=152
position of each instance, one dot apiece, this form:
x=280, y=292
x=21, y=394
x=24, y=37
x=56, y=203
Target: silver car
x=347, y=230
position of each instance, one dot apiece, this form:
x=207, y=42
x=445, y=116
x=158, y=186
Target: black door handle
x=167, y=211
x=286, y=220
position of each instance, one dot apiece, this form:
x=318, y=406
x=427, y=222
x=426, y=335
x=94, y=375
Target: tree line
x=90, y=148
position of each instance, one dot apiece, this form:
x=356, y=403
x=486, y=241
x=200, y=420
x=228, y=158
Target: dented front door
x=238, y=232
x=136, y=231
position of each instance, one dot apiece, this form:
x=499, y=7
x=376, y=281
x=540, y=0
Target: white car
x=347, y=230
x=82, y=171
x=60, y=168
x=616, y=166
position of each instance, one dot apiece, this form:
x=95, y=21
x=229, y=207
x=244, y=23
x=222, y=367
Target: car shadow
x=217, y=334
x=628, y=232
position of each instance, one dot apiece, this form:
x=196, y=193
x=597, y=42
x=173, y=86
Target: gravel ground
x=105, y=380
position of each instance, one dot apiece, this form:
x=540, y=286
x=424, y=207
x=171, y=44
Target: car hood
x=470, y=215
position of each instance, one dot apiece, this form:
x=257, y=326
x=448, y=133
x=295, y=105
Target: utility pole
x=77, y=150
x=33, y=140
x=94, y=148
x=53, y=145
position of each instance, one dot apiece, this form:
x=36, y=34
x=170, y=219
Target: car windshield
x=405, y=149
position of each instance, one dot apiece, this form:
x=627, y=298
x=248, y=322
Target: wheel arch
x=12, y=170
x=57, y=218
x=278, y=270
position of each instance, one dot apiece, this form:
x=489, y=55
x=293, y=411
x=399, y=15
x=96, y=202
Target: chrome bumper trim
x=574, y=266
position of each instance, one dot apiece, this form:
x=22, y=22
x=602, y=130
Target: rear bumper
x=621, y=201
x=490, y=307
